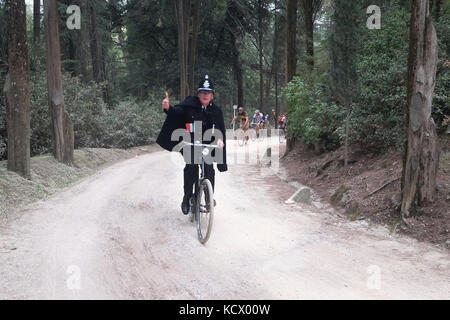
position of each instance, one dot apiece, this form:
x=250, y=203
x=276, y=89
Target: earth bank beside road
x=49, y=176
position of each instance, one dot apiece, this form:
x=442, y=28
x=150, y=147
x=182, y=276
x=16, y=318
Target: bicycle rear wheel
x=282, y=135
x=192, y=209
x=205, y=210
x=240, y=137
x=253, y=134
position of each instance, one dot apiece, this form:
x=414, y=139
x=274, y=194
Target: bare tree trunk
x=81, y=42
x=422, y=155
x=347, y=132
x=438, y=9
x=96, y=49
x=186, y=20
x=238, y=72
x=36, y=34
x=291, y=53
x=234, y=31
x=62, y=128
x=277, y=105
x=16, y=90
x=193, y=45
x=291, y=31
x=274, y=67
x=182, y=14
x=309, y=28
x=260, y=52
x=98, y=65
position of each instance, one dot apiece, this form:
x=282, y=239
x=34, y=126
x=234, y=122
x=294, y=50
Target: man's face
x=205, y=97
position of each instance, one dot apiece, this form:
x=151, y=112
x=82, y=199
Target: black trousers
x=191, y=175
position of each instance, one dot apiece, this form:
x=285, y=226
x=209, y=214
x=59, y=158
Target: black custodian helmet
x=206, y=85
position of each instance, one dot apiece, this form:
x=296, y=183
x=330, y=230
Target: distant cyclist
x=261, y=120
x=256, y=116
x=273, y=118
x=242, y=115
x=282, y=121
x=258, y=121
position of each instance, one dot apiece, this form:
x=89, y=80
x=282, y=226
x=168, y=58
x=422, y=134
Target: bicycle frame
x=202, y=166
x=196, y=207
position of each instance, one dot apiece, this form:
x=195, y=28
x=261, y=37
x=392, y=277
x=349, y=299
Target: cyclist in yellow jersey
x=242, y=115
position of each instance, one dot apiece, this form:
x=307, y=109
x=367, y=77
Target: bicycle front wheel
x=205, y=211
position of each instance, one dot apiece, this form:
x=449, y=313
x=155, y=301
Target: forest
x=345, y=197
x=339, y=68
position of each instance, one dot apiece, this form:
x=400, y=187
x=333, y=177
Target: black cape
x=179, y=115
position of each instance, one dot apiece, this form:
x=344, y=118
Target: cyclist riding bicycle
x=283, y=121
x=261, y=120
x=242, y=115
x=194, y=110
x=256, y=116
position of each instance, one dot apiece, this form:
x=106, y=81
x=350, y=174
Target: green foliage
x=129, y=124
x=377, y=116
x=312, y=119
x=132, y=123
x=138, y=38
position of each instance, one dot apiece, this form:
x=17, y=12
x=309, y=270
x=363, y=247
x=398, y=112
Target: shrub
x=132, y=123
x=377, y=117
x=312, y=119
x=128, y=124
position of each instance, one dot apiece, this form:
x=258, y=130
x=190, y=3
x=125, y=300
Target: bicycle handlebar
x=201, y=145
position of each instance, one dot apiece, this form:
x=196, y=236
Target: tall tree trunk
x=186, y=21
x=291, y=53
x=81, y=42
x=291, y=31
x=36, y=34
x=347, y=132
x=260, y=53
x=96, y=49
x=182, y=15
x=422, y=154
x=274, y=65
x=438, y=9
x=16, y=90
x=308, y=11
x=98, y=64
x=343, y=52
x=62, y=128
x=277, y=109
x=237, y=71
x=193, y=45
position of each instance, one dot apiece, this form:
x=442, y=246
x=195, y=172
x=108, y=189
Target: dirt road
x=120, y=234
